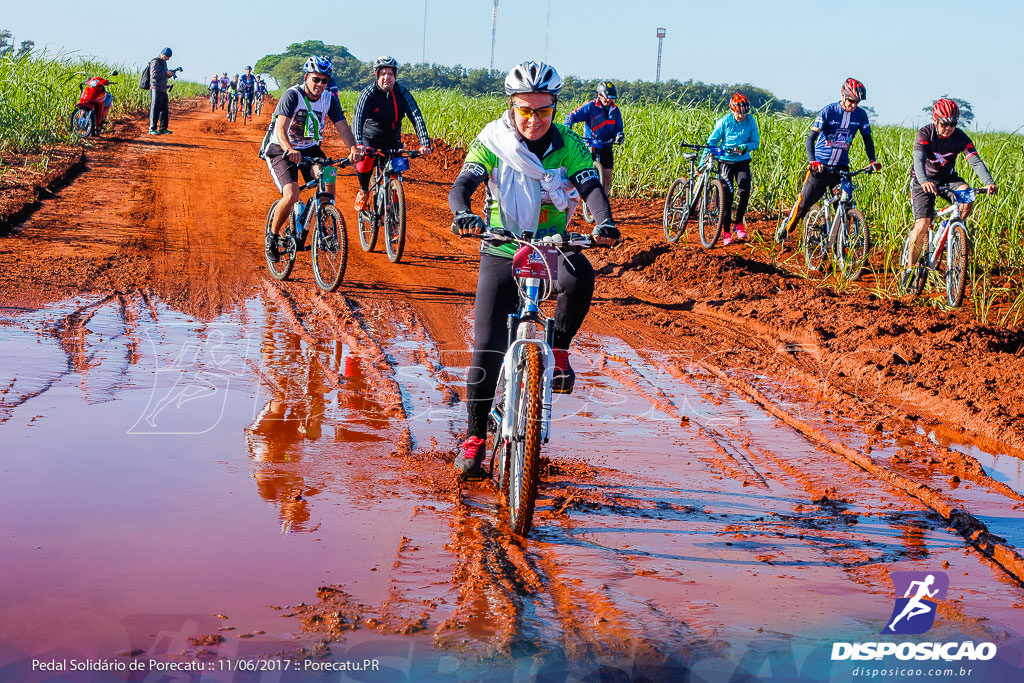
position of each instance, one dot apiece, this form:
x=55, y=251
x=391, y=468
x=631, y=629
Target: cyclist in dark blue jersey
x=602, y=126
x=828, y=145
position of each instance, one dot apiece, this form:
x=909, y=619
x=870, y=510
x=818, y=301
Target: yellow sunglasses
x=529, y=113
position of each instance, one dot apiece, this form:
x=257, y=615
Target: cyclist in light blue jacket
x=737, y=133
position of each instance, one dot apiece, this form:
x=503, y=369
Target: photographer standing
x=158, y=88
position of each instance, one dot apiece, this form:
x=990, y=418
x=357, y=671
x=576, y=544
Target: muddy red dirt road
x=205, y=467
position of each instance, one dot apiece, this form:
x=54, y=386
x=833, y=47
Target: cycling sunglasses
x=318, y=79
x=529, y=113
x=946, y=123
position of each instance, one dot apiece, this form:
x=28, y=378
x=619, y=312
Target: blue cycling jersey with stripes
x=838, y=129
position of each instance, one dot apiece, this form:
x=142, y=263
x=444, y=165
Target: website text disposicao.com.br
x=900, y=672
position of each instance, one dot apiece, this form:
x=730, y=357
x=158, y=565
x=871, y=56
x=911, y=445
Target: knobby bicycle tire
x=711, y=220
x=956, y=270
x=394, y=220
x=367, y=220
x=855, y=243
x=525, y=442
x=213, y=103
x=676, y=213
x=814, y=240
x=911, y=278
x=330, y=249
x=283, y=268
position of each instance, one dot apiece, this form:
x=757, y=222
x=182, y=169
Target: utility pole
x=494, y=30
x=424, y=57
x=661, y=39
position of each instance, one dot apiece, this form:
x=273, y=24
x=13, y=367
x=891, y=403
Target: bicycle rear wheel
x=283, y=268
x=394, y=220
x=711, y=219
x=956, y=265
x=911, y=277
x=330, y=249
x=814, y=240
x=677, y=209
x=524, y=456
x=854, y=245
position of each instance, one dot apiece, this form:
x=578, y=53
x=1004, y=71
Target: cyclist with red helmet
x=934, y=169
x=377, y=120
x=737, y=132
x=602, y=126
x=828, y=145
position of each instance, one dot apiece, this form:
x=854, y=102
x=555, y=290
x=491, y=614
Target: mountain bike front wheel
x=956, y=265
x=525, y=441
x=394, y=220
x=711, y=219
x=330, y=249
x=676, y=213
x=854, y=245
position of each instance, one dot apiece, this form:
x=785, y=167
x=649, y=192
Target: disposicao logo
x=915, y=611
x=917, y=597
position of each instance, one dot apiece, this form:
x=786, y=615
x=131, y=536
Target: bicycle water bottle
x=299, y=211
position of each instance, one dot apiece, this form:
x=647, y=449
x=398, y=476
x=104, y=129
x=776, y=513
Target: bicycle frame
x=937, y=237
x=327, y=175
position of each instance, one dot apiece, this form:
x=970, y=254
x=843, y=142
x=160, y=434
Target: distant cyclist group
x=537, y=173
x=244, y=92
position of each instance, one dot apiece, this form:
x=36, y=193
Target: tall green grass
x=38, y=92
x=652, y=158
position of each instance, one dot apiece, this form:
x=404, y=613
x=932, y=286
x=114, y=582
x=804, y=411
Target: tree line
x=350, y=73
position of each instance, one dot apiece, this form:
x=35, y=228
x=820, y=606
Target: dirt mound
x=927, y=362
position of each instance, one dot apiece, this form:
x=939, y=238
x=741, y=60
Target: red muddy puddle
x=276, y=482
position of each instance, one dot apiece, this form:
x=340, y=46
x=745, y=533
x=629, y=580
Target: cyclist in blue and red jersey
x=828, y=145
x=602, y=121
x=737, y=132
x=247, y=84
x=934, y=169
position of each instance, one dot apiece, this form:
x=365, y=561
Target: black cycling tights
x=737, y=174
x=496, y=297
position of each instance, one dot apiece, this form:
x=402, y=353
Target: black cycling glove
x=465, y=220
x=607, y=230
x=619, y=139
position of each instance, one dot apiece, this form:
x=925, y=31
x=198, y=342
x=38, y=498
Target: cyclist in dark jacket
x=377, y=120
x=602, y=126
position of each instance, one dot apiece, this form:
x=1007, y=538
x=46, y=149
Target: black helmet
x=607, y=89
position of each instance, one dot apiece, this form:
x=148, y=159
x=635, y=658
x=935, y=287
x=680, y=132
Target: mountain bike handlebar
x=411, y=153
x=340, y=162
x=598, y=143
x=571, y=240
x=825, y=168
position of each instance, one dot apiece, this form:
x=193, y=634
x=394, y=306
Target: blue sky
x=906, y=53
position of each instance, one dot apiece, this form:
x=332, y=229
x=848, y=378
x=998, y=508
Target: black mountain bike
x=232, y=106
x=319, y=217
x=385, y=205
x=699, y=193
x=836, y=230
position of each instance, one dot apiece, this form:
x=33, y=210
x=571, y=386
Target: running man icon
x=916, y=609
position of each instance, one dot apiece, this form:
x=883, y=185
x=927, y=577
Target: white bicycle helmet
x=385, y=61
x=319, y=65
x=533, y=77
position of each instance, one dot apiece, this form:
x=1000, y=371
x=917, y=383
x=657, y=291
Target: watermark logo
x=914, y=612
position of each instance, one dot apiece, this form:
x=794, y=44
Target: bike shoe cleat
x=469, y=461
x=360, y=201
x=740, y=231
x=727, y=238
x=565, y=377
